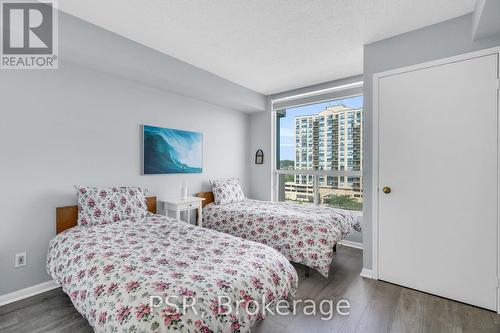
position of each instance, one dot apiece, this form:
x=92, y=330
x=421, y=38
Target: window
x=319, y=153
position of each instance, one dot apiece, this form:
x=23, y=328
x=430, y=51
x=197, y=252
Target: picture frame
x=171, y=151
x=259, y=157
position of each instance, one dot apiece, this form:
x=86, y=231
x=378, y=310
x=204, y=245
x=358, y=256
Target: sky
x=287, y=124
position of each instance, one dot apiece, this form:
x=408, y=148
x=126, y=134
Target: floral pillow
x=227, y=191
x=113, y=204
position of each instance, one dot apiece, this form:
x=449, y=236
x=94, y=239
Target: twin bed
x=112, y=271
x=305, y=234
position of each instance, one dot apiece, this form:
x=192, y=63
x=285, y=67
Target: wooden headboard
x=67, y=217
x=209, y=197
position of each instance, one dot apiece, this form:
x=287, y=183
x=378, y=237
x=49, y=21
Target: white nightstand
x=184, y=205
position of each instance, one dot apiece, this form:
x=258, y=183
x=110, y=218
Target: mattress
x=111, y=272
x=303, y=233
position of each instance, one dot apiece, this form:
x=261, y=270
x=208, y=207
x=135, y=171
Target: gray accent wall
x=90, y=46
x=446, y=39
x=260, y=138
x=486, y=19
x=81, y=125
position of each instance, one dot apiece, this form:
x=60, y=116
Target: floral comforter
x=303, y=233
x=110, y=271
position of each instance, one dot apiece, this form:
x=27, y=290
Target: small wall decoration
x=259, y=157
x=169, y=150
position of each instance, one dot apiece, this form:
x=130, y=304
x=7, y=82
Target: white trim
x=366, y=273
x=346, y=173
x=439, y=62
x=320, y=91
x=498, y=185
x=375, y=142
x=321, y=98
x=348, y=243
x=375, y=180
x=28, y=292
x=274, y=176
x=274, y=170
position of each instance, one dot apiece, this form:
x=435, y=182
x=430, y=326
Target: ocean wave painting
x=169, y=150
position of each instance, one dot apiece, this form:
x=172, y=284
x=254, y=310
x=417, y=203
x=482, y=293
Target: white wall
x=77, y=126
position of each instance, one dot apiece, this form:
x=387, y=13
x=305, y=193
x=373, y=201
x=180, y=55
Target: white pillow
x=101, y=205
x=227, y=191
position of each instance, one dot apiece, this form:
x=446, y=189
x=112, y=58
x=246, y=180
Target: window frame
x=313, y=97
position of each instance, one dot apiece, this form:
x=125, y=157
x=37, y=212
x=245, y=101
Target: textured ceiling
x=268, y=46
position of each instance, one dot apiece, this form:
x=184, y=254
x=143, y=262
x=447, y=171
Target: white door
x=438, y=155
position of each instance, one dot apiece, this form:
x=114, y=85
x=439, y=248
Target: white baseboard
x=27, y=292
x=349, y=243
x=366, y=273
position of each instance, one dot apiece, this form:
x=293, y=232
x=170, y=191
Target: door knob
x=386, y=189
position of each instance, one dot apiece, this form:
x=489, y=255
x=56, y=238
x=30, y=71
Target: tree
x=342, y=201
x=287, y=164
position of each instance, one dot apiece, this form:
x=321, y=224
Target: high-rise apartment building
x=329, y=140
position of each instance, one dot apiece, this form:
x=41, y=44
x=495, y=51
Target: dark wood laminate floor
x=375, y=307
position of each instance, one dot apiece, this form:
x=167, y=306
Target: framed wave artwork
x=167, y=150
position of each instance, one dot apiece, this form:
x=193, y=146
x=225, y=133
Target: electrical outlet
x=20, y=260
